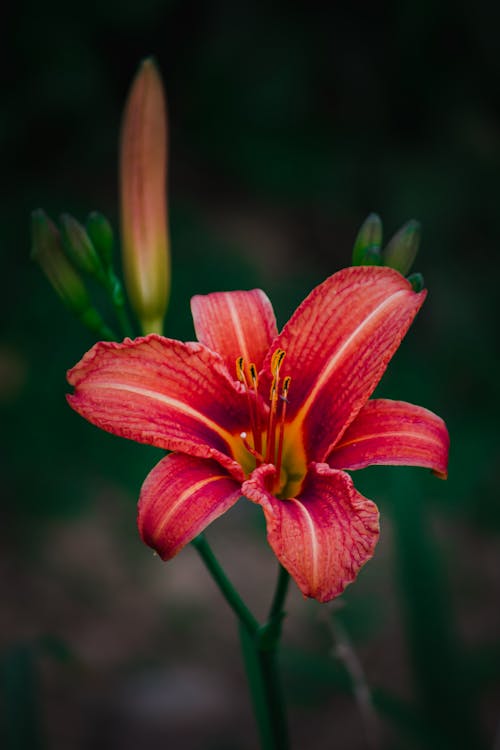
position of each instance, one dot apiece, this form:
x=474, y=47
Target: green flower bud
x=403, y=247
x=366, y=251
x=417, y=281
x=100, y=232
x=79, y=247
x=47, y=251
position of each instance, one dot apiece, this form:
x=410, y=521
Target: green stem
x=228, y=591
x=93, y=321
x=269, y=668
x=123, y=320
x=259, y=645
x=261, y=670
x=260, y=658
x=115, y=291
x=279, y=594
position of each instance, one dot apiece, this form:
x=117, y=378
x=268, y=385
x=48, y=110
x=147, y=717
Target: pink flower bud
x=143, y=173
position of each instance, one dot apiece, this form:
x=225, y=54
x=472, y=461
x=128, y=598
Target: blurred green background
x=290, y=122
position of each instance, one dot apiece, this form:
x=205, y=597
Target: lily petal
x=393, y=432
x=235, y=324
x=338, y=344
x=165, y=393
x=324, y=535
x=180, y=497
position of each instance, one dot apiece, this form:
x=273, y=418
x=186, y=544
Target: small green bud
x=402, y=249
x=366, y=251
x=47, y=251
x=79, y=247
x=100, y=232
x=417, y=281
x=372, y=256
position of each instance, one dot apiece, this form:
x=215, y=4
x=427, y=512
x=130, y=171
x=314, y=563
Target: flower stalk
x=100, y=234
x=226, y=587
x=259, y=645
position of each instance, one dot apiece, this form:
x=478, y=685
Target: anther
x=286, y=387
x=276, y=361
x=253, y=374
x=240, y=372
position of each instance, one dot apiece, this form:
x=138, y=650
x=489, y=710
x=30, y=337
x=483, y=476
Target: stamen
x=252, y=407
x=256, y=454
x=278, y=394
x=271, y=422
x=284, y=402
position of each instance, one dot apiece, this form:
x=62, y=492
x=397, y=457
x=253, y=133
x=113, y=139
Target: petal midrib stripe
x=332, y=363
x=189, y=492
x=169, y=401
x=395, y=433
x=313, y=539
x=238, y=329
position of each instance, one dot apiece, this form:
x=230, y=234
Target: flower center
x=267, y=442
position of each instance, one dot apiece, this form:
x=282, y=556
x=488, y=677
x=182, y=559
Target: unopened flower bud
x=47, y=251
x=366, y=251
x=143, y=173
x=100, y=232
x=402, y=249
x=79, y=248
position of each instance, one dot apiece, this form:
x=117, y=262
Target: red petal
x=338, y=344
x=393, y=432
x=235, y=324
x=181, y=497
x=323, y=536
x=163, y=392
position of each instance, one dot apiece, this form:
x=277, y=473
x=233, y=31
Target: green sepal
x=79, y=248
x=115, y=288
x=402, y=249
x=372, y=256
x=100, y=232
x=47, y=251
x=417, y=281
x=366, y=250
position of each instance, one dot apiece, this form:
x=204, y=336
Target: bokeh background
x=290, y=122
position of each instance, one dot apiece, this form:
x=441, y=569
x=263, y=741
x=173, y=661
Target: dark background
x=290, y=122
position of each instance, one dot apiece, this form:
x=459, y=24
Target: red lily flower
x=275, y=417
